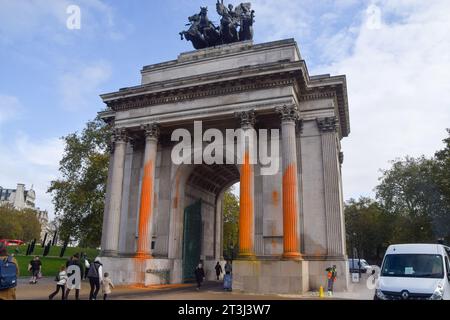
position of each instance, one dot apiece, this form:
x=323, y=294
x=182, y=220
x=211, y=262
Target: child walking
x=107, y=285
x=61, y=279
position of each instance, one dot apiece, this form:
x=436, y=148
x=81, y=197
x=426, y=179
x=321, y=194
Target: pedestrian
x=219, y=270
x=199, y=275
x=228, y=267
x=331, y=275
x=35, y=268
x=9, y=269
x=87, y=263
x=95, y=276
x=74, y=276
x=107, y=285
x=61, y=280
x=227, y=278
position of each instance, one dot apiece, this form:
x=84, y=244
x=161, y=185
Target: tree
x=408, y=189
x=369, y=229
x=79, y=194
x=19, y=224
x=230, y=224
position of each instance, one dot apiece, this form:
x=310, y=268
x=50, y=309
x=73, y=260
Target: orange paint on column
x=246, y=209
x=145, y=211
x=290, y=211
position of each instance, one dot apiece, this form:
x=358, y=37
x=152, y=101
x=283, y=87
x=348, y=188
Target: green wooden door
x=192, y=236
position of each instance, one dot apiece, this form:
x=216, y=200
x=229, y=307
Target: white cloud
x=398, y=87
x=80, y=85
x=24, y=159
x=10, y=107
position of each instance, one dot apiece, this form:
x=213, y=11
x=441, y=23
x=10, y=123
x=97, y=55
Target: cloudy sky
x=395, y=53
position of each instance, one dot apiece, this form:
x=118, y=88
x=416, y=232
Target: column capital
x=119, y=135
x=248, y=118
x=288, y=112
x=151, y=130
x=328, y=124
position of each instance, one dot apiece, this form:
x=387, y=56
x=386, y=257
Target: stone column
x=247, y=193
x=111, y=243
x=291, y=237
x=147, y=192
x=332, y=187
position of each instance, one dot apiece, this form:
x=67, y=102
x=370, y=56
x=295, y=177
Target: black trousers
x=95, y=287
x=58, y=287
x=77, y=294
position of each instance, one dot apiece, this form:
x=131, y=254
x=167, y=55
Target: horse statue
x=193, y=34
x=235, y=25
x=208, y=29
x=229, y=22
x=247, y=17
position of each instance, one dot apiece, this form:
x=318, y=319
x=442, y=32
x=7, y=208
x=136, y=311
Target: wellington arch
x=162, y=218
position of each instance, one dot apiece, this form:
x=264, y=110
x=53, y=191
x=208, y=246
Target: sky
x=395, y=54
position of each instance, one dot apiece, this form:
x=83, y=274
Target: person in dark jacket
x=95, y=276
x=199, y=275
x=74, y=261
x=219, y=270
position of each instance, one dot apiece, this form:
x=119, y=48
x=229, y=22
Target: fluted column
x=291, y=237
x=111, y=243
x=247, y=196
x=147, y=192
x=332, y=187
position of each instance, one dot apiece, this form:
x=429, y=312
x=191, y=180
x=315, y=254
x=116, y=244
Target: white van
x=415, y=271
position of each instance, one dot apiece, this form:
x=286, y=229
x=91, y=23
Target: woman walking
x=199, y=275
x=61, y=279
x=95, y=276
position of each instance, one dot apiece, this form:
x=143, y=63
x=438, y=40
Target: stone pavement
x=210, y=291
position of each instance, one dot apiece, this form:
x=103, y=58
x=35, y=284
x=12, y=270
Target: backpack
x=93, y=270
x=8, y=274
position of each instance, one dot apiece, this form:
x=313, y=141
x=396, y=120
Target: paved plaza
x=210, y=291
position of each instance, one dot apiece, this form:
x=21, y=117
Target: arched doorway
x=202, y=239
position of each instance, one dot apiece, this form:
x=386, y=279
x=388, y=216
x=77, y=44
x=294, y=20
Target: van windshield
x=413, y=265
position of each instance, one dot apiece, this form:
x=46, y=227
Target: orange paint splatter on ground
x=246, y=209
x=290, y=209
x=145, y=211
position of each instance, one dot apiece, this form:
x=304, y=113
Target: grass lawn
x=52, y=262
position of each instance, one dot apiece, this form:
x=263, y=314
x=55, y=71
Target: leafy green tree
x=19, y=224
x=409, y=190
x=78, y=195
x=230, y=224
x=369, y=229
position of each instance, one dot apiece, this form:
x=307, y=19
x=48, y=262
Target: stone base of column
x=143, y=255
x=246, y=256
x=109, y=253
x=271, y=276
x=292, y=256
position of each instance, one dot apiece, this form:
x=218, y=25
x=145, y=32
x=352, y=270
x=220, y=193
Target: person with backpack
x=95, y=276
x=331, y=275
x=9, y=272
x=61, y=280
